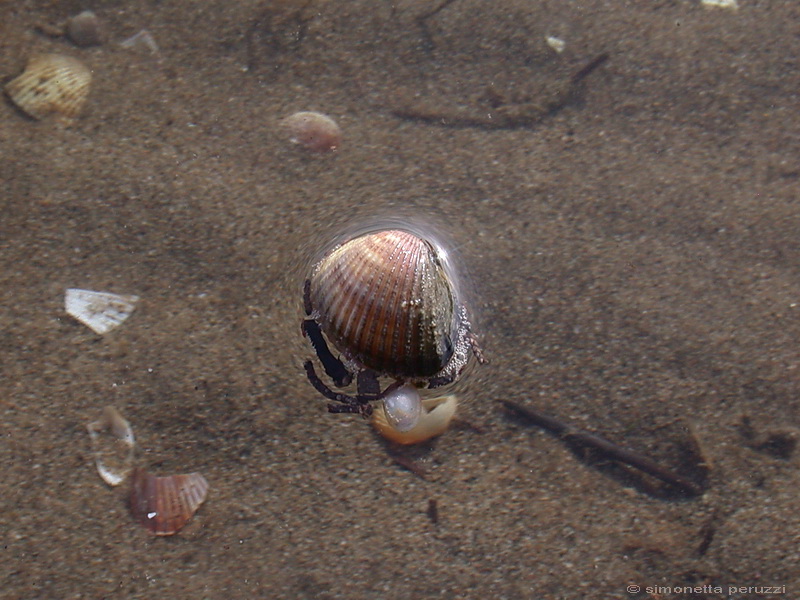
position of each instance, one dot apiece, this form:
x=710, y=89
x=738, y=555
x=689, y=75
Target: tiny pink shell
x=163, y=505
x=314, y=131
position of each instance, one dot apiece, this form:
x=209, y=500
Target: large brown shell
x=163, y=505
x=51, y=84
x=386, y=302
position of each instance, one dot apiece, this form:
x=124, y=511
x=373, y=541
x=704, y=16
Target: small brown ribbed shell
x=385, y=301
x=51, y=84
x=163, y=505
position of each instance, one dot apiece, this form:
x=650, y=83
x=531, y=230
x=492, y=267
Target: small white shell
x=729, y=4
x=51, y=84
x=557, y=44
x=403, y=408
x=113, y=446
x=100, y=311
x=436, y=416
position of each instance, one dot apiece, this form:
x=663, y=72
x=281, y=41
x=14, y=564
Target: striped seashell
x=51, y=84
x=163, y=505
x=385, y=301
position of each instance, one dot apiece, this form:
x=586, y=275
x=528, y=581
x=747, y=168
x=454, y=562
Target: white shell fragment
x=437, y=413
x=729, y=4
x=556, y=44
x=52, y=84
x=144, y=39
x=99, y=311
x=113, y=446
x=403, y=407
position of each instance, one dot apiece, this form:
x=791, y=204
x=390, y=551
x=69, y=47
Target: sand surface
x=636, y=271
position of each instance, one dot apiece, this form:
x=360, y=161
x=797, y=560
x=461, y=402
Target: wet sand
x=634, y=257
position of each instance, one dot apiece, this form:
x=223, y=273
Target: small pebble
x=84, y=29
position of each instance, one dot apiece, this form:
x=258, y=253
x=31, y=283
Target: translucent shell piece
x=100, y=311
x=113, y=446
x=163, y=505
x=403, y=407
x=437, y=413
x=51, y=84
x=385, y=301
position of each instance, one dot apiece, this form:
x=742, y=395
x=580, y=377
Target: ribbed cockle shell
x=386, y=302
x=51, y=84
x=163, y=505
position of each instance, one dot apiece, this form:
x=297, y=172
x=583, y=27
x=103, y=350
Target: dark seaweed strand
x=618, y=453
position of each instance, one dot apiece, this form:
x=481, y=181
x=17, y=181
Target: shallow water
x=632, y=255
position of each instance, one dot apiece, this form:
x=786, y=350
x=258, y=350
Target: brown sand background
x=635, y=259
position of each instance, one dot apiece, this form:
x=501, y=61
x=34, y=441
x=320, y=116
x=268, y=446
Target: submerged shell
x=437, y=413
x=51, y=84
x=100, y=311
x=313, y=131
x=113, y=446
x=385, y=301
x=163, y=505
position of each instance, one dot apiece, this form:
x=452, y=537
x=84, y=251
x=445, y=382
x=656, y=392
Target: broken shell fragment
x=143, y=39
x=729, y=4
x=313, y=131
x=437, y=413
x=52, y=84
x=557, y=44
x=113, y=446
x=99, y=311
x=163, y=505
